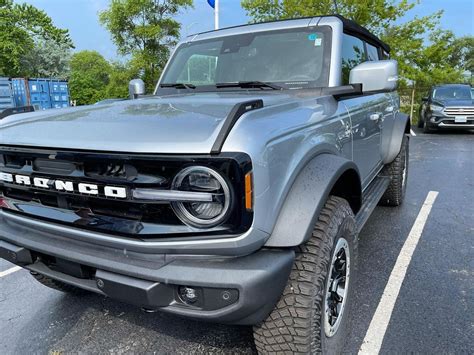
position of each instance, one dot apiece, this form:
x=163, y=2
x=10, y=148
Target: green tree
x=120, y=76
x=424, y=51
x=89, y=77
x=47, y=59
x=427, y=55
x=20, y=25
x=369, y=13
x=146, y=30
x=462, y=54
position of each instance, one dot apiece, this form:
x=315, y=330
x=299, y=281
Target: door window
x=372, y=52
x=353, y=53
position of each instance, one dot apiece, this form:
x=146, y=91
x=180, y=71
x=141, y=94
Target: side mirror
x=136, y=87
x=380, y=75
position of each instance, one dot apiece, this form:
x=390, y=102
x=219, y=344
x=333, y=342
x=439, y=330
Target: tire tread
x=291, y=327
x=394, y=194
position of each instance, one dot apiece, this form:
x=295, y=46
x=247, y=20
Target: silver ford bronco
x=234, y=194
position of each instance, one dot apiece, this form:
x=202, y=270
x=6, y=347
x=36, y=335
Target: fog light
x=188, y=294
x=226, y=295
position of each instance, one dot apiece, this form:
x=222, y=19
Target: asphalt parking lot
x=433, y=312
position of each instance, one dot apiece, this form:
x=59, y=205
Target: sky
x=81, y=18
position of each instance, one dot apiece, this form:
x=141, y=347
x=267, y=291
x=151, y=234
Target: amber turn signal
x=249, y=191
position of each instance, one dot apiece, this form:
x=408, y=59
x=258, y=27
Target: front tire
x=312, y=315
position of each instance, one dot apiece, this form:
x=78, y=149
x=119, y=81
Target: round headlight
x=202, y=214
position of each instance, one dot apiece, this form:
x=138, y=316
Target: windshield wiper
x=249, y=85
x=178, y=85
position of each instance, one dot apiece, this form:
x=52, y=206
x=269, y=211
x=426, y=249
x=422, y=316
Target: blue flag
x=212, y=3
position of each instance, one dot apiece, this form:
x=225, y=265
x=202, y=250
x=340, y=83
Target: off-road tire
x=58, y=285
x=397, y=170
x=296, y=325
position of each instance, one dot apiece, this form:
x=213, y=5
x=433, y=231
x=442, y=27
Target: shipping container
x=21, y=93
x=40, y=93
x=59, y=92
x=6, y=95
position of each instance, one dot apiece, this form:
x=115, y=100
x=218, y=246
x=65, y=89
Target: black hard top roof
x=350, y=27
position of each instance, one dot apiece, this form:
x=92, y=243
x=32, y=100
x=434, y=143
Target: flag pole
x=216, y=15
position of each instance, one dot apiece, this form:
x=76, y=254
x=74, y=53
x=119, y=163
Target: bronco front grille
x=122, y=216
x=152, y=213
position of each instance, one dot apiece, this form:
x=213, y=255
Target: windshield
x=292, y=58
x=452, y=93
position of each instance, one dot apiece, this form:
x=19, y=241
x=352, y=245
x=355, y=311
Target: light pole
x=216, y=14
x=215, y=5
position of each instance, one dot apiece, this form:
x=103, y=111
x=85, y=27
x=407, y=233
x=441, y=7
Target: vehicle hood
x=456, y=103
x=186, y=123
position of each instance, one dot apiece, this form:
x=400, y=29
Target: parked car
x=447, y=106
x=235, y=194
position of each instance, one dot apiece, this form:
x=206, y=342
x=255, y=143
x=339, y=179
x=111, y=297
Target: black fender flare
x=392, y=142
x=307, y=197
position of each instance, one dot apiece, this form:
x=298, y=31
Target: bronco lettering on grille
x=65, y=186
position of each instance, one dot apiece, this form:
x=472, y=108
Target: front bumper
x=236, y=290
x=441, y=120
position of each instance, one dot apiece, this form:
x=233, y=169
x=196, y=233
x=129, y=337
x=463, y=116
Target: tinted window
x=372, y=52
x=353, y=53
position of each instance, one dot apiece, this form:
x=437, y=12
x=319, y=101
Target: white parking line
x=10, y=271
x=378, y=326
